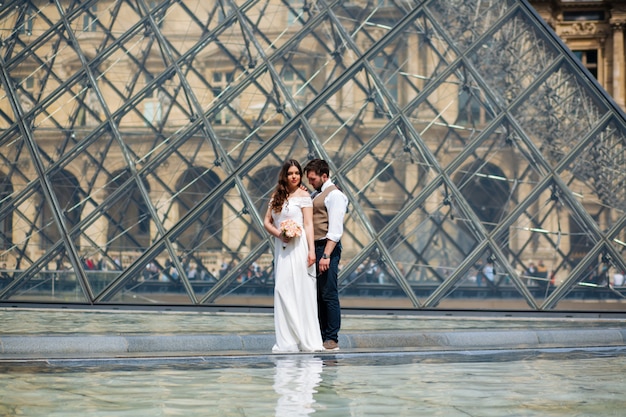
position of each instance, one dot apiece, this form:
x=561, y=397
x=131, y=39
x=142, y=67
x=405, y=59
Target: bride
x=289, y=218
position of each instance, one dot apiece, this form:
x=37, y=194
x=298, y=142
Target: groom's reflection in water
x=295, y=381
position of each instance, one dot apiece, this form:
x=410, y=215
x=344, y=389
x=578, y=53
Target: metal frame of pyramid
x=141, y=141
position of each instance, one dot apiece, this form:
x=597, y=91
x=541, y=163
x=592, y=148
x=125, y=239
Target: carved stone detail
x=586, y=29
x=618, y=25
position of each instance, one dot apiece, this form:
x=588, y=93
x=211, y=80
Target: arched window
x=129, y=218
x=205, y=233
x=486, y=189
x=67, y=190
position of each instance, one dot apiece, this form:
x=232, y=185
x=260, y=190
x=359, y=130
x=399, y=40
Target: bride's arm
x=268, y=223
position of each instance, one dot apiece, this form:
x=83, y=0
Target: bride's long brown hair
x=281, y=193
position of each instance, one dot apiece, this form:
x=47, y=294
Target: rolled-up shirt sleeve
x=336, y=204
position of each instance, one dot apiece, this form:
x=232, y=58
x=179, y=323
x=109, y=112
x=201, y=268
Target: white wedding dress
x=295, y=291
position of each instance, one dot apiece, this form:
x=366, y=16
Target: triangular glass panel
x=156, y=277
x=596, y=174
x=466, y=21
x=513, y=56
x=426, y=241
x=125, y=213
x=23, y=25
x=487, y=191
x=371, y=275
x=53, y=279
x=480, y=282
x=452, y=118
x=559, y=112
x=232, y=280
x=592, y=282
x=384, y=175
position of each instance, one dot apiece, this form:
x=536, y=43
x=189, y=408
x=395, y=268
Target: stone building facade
x=594, y=31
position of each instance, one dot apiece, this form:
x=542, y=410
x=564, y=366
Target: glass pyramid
x=140, y=141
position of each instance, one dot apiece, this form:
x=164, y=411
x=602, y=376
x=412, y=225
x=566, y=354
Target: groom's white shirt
x=336, y=204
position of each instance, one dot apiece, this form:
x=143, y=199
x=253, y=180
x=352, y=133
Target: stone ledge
x=79, y=346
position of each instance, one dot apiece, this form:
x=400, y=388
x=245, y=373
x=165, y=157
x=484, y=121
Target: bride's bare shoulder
x=302, y=193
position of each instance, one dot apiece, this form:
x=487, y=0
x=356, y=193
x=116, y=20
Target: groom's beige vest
x=320, y=214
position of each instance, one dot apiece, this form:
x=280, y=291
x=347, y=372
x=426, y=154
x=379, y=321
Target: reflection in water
x=556, y=383
x=295, y=382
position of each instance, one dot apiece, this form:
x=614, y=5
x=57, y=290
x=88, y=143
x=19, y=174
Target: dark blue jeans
x=328, y=309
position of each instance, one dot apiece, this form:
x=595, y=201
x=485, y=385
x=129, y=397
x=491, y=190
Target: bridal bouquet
x=290, y=229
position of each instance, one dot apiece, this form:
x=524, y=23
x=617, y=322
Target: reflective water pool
x=499, y=383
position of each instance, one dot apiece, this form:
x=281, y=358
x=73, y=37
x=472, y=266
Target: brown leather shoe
x=331, y=345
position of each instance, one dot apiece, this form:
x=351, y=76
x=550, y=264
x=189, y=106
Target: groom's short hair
x=319, y=166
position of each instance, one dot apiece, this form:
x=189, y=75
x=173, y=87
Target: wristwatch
x=324, y=256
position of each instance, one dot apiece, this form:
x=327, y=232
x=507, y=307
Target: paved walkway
x=17, y=347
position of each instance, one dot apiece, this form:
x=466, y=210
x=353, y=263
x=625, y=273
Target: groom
x=329, y=208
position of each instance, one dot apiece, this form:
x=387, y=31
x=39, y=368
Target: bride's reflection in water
x=295, y=381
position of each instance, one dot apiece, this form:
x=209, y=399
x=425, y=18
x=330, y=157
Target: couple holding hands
x=308, y=229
